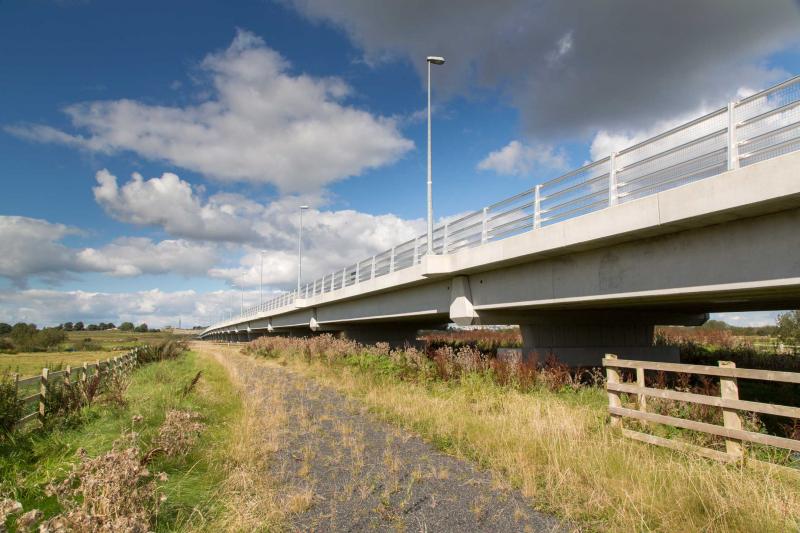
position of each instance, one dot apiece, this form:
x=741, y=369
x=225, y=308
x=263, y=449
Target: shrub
x=168, y=349
x=11, y=408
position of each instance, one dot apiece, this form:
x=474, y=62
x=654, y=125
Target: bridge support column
x=397, y=335
x=583, y=340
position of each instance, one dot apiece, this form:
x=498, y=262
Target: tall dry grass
x=555, y=446
x=248, y=495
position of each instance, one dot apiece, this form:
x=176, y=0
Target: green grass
x=30, y=462
x=105, y=344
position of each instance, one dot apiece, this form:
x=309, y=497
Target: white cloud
x=33, y=248
x=155, y=307
x=133, y=256
x=571, y=66
x=263, y=124
x=753, y=318
x=518, y=159
x=332, y=239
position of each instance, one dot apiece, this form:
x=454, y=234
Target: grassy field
x=555, y=444
x=80, y=347
x=194, y=480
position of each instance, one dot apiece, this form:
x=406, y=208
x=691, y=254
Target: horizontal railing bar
x=715, y=401
x=567, y=203
x=762, y=136
x=566, y=214
x=29, y=381
x=575, y=172
x=671, y=180
x=673, y=150
x=511, y=222
x=27, y=418
x=745, y=373
x=678, y=445
x=674, y=130
x=510, y=211
x=766, y=114
x=590, y=181
x=765, y=92
x=741, y=434
x=509, y=200
x=775, y=146
x=451, y=223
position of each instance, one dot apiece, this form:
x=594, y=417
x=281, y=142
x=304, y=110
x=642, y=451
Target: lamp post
x=300, y=249
x=436, y=60
x=241, y=286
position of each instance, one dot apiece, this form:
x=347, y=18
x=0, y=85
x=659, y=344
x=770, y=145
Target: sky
x=151, y=153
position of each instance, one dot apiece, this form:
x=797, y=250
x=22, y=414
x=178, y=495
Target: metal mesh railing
x=756, y=128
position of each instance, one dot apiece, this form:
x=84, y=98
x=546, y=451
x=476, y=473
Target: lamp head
x=436, y=60
x=303, y=207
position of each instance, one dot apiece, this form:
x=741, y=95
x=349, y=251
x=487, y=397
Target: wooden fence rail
x=728, y=400
x=69, y=378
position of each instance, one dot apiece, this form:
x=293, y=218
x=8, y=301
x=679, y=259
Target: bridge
x=702, y=218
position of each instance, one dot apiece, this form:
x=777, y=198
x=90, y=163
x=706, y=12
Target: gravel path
x=348, y=471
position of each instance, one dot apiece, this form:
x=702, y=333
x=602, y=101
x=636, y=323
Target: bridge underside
x=585, y=301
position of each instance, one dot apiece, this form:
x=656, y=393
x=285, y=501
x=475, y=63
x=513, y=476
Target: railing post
x=612, y=377
x=391, y=260
x=444, y=238
x=642, y=399
x=344, y=277
x=43, y=393
x=416, y=251
x=484, y=226
x=358, y=273
x=612, y=179
x=537, y=207
x=733, y=145
x=372, y=274
x=729, y=390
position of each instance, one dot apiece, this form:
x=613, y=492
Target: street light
x=241, y=286
x=300, y=249
x=436, y=60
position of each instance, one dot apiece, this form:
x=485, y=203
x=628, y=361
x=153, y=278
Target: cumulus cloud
x=33, y=248
x=262, y=124
x=520, y=159
x=331, y=238
x=572, y=66
x=154, y=307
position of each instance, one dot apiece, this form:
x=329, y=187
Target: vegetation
x=546, y=431
x=154, y=461
x=788, y=329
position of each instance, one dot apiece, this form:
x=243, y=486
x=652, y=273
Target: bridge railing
x=756, y=128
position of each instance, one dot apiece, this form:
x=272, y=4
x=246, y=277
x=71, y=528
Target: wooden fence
x=728, y=400
x=34, y=389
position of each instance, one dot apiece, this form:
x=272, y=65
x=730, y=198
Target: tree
x=78, y=326
x=788, y=330
x=49, y=338
x=126, y=326
x=92, y=327
x=5, y=329
x=68, y=326
x=141, y=328
x=110, y=325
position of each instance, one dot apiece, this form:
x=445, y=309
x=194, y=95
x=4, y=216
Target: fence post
x=642, y=399
x=612, y=376
x=612, y=179
x=484, y=225
x=43, y=392
x=68, y=376
x=85, y=373
x=537, y=207
x=733, y=146
x=729, y=390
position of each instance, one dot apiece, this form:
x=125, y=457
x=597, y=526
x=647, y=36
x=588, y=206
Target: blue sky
x=197, y=98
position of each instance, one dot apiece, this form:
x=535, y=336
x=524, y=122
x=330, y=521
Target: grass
x=102, y=344
x=31, y=461
x=559, y=450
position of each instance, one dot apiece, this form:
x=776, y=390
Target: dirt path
x=347, y=471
